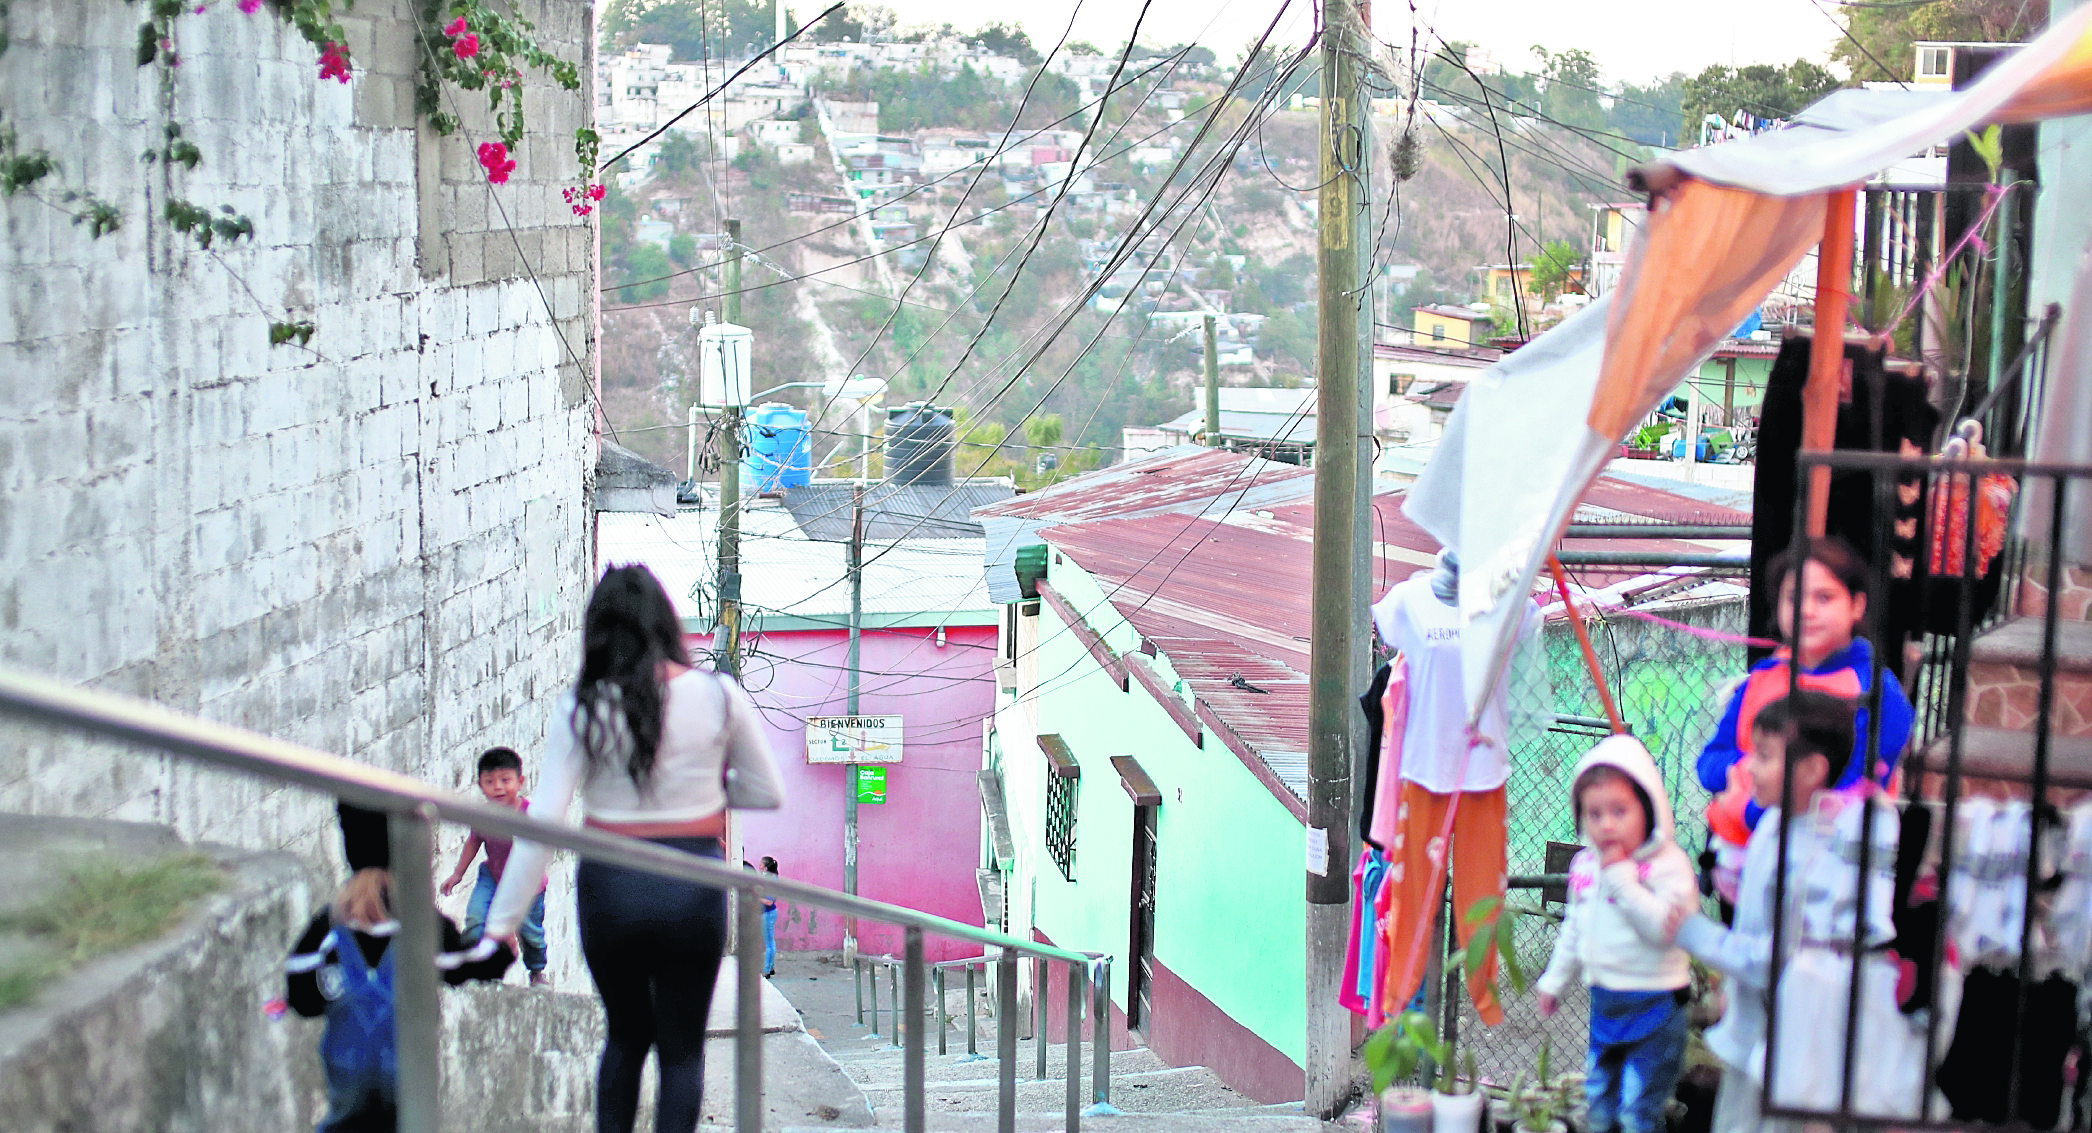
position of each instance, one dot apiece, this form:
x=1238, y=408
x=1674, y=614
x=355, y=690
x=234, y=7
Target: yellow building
x=1938, y=60
x=1452, y=326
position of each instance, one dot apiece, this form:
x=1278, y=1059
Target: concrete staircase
x=960, y=1093
x=2004, y=685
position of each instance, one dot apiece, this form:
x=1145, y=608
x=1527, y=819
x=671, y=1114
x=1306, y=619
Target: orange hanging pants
x=1416, y=875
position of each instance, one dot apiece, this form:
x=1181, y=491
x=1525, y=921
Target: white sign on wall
x=853, y=739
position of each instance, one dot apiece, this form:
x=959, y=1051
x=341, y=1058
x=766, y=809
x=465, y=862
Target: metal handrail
x=414, y=805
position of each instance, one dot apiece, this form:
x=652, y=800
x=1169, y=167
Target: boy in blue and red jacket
x=1835, y=659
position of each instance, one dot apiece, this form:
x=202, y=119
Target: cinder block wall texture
x=378, y=546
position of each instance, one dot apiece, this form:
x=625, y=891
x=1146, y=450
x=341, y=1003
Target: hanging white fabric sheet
x=1725, y=224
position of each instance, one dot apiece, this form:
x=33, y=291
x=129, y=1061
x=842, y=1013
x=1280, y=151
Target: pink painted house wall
x=921, y=847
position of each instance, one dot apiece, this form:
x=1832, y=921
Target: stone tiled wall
x=379, y=546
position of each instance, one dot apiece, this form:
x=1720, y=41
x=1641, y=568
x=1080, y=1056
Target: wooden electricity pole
x=727, y=638
x=1212, y=385
x=1343, y=485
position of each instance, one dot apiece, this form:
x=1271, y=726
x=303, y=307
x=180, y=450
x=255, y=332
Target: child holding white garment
x=1802, y=745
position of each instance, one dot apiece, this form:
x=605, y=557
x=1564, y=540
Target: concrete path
x=961, y=1090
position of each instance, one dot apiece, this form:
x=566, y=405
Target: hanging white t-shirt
x=1410, y=618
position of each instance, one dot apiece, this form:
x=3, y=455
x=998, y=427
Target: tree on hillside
x=1554, y=268
x=715, y=29
x=1649, y=114
x=1762, y=90
x=1887, y=31
x=679, y=153
x=1005, y=39
x=1569, y=88
x=1449, y=77
x=857, y=23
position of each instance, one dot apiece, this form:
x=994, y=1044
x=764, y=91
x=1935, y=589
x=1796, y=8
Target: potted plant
x=1407, y=1046
x=1543, y=1107
x=1411, y=1044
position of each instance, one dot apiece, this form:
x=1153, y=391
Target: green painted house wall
x=1713, y=376
x=1230, y=914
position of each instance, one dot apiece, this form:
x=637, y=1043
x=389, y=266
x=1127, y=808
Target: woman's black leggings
x=653, y=946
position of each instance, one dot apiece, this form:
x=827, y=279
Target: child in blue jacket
x=1835, y=659
x=341, y=969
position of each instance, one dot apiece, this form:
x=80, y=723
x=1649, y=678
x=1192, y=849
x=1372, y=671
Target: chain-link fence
x=1668, y=684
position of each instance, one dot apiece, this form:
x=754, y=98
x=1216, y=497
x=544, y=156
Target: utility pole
x=1337, y=607
x=1212, y=386
x=727, y=637
x=850, y=708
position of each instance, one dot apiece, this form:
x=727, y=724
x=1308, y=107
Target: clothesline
x=1702, y=632
x=1993, y=196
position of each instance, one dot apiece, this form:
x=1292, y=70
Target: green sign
x=871, y=785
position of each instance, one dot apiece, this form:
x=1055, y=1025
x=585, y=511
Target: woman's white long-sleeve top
x=707, y=722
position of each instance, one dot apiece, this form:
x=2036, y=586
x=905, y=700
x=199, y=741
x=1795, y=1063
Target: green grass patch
x=105, y=905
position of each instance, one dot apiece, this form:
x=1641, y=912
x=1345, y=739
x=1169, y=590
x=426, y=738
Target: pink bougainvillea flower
x=465, y=46
x=494, y=158
x=595, y=192
x=455, y=27
x=199, y=9
x=250, y=7
x=334, y=62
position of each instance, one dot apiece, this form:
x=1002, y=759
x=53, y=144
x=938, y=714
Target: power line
x=921, y=187
x=975, y=218
x=1216, y=162
x=1863, y=49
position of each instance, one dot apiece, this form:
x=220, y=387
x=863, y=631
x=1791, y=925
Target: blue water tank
x=779, y=450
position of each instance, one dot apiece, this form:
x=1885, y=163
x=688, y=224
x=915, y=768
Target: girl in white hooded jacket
x=1623, y=887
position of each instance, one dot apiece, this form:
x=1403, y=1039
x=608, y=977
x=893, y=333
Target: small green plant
x=1538, y=1106
x=1406, y=1047
x=1401, y=1049
x=105, y=905
x=1990, y=146
x=1494, y=927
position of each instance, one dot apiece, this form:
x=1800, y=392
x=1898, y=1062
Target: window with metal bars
x=1063, y=779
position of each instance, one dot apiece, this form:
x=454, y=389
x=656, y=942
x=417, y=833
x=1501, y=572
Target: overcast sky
x=1633, y=41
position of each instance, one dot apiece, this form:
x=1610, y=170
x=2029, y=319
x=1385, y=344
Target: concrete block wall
x=379, y=546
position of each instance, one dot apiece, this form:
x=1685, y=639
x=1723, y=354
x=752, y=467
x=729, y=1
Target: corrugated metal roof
x=1629, y=498
x=1285, y=428
x=1221, y=585
x=896, y=511
x=784, y=574
x=1476, y=357
x=1186, y=479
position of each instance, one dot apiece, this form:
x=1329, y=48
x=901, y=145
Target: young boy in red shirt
x=501, y=781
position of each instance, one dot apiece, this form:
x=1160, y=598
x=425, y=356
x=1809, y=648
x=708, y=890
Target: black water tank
x=919, y=444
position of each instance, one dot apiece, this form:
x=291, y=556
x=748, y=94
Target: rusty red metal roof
x=1173, y=479
x=1221, y=587
x=1635, y=499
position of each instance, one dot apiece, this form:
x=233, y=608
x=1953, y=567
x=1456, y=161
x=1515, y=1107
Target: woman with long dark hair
x=650, y=743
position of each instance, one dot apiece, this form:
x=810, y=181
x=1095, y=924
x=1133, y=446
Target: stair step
x=1999, y=753
x=1143, y=1079
x=1190, y=1089
x=1245, y=1122
x=877, y=1061
x=2018, y=642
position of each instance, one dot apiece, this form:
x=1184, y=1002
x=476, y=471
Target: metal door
x=1141, y=974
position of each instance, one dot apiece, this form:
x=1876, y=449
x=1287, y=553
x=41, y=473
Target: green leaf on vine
x=148, y=43
x=300, y=332
x=204, y=227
